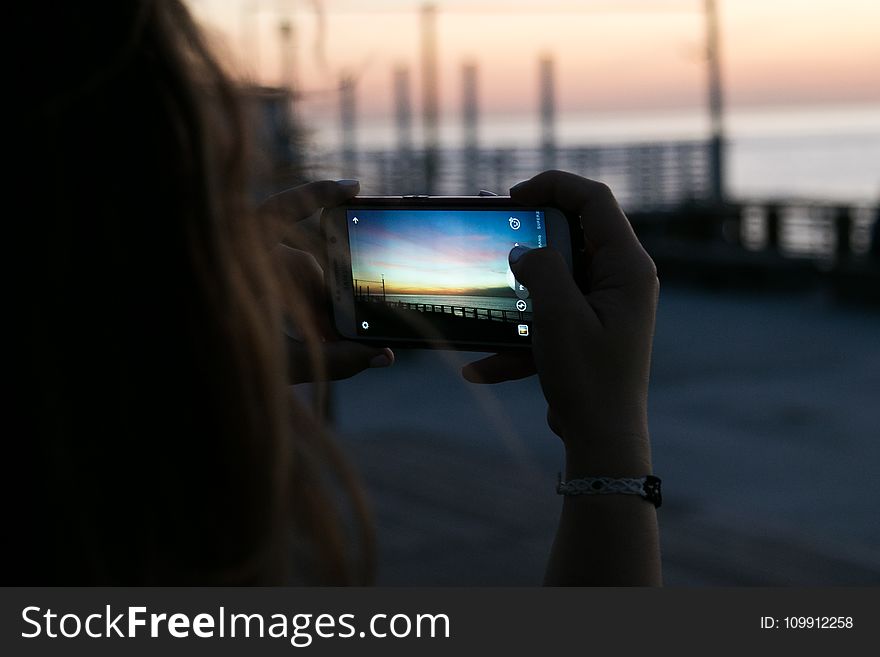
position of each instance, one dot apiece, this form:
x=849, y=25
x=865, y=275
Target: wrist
x=611, y=454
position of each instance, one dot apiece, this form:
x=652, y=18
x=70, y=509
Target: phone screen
x=441, y=273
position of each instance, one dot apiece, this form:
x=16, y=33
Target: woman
x=160, y=443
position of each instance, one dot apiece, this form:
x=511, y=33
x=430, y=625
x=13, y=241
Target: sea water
x=829, y=152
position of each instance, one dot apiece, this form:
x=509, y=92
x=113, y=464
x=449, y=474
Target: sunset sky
x=436, y=251
x=637, y=54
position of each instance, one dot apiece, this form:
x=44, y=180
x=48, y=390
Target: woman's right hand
x=591, y=348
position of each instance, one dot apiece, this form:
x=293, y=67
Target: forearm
x=607, y=540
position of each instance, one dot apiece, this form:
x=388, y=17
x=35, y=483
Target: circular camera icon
x=521, y=305
x=514, y=223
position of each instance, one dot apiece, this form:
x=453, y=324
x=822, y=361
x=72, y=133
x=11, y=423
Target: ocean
x=829, y=152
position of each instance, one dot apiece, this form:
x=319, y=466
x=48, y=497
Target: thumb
x=345, y=358
x=547, y=277
x=338, y=359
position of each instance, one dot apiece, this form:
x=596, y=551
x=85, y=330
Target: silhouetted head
x=157, y=440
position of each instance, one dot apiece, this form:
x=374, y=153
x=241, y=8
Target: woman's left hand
x=325, y=356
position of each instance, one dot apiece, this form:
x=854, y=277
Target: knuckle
x=646, y=274
x=650, y=267
x=310, y=262
x=551, y=178
x=301, y=264
x=601, y=190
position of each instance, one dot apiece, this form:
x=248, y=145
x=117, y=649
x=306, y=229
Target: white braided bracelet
x=646, y=487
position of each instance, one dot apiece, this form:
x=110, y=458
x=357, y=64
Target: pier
x=469, y=312
x=368, y=292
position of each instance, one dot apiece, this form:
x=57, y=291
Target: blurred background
x=743, y=141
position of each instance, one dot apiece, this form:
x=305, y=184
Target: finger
x=302, y=273
x=501, y=367
x=332, y=361
x=301, y=202
x=602, y=220
x=555, y=296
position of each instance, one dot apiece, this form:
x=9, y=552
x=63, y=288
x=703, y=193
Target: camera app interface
x=441, y=274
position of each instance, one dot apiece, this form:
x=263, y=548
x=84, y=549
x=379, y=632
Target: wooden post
x=773, y=228
x=874, y=249
x=842, y=230
x=430, y=97
x=716, y=104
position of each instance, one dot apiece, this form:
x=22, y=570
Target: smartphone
x=433, y=272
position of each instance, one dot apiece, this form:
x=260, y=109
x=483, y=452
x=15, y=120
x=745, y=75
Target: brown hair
x=162, y=446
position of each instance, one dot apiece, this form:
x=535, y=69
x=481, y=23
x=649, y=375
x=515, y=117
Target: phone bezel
x=338, y=274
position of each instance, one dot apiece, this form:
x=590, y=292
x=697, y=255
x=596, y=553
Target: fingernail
x=382, y=360
x=517, y=252
x=348, y=183
x=518, y=185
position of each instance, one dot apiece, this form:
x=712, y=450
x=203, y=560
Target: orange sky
x=609, y=55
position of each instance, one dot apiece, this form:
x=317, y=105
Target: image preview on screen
x=444, y=270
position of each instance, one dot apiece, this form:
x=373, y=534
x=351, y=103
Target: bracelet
x=647, y=487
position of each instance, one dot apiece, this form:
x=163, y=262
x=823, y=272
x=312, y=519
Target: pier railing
x=644, y=175
x=491, y=314
x=663, y=181
x=794, y=244
x=826, y=232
